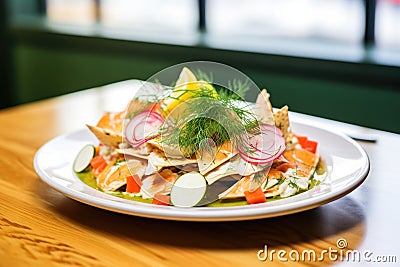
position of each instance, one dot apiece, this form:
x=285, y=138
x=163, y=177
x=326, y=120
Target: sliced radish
x=271, y=128
x=143, y=127
x=82, y=160
x=188, y=190
x=264, y=147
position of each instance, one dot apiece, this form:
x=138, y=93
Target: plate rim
x=249, y=212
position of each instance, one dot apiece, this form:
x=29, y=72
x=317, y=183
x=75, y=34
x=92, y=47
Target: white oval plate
x=346, y=162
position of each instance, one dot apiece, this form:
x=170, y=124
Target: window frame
x=369, y=18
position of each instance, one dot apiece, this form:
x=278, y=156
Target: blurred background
x=338, y=59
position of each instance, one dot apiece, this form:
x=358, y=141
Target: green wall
x=45, y=72
x=53, y=64
x=362, y=105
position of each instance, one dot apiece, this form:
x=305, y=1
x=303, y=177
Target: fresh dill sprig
x=259, y=177
x=202, y=76
x=293, y=185
x=119, y=163
x=207, y=117
x=235, y=89
x=280, y=180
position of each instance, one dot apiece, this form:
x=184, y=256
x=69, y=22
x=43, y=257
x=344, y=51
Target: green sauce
x=227, y=203
x=88, y=179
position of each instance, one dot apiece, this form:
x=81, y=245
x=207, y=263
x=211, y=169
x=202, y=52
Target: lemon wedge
x=185, y=77
x=186, y=87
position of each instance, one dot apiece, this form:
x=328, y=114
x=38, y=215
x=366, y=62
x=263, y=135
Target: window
x=170, y=15
x=337, y=20
x=71, y=11
x=296, y=27
x=388, y=23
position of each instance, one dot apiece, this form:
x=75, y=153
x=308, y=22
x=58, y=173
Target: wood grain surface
x=41, y=227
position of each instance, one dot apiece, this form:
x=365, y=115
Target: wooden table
x=41, y=227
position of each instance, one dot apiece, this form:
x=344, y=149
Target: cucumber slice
x=82, y=160
x=188, y=190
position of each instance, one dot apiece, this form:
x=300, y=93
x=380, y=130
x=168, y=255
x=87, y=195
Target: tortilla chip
x=246, y=183
x=169, y=151
x=237, y=190
x=114, y=176
x=110, y=126
x=305, y=161
x=226, y=169
x=112, y=121
x=282, y=122
x=209, y=160
x=134, y=152
x=234, y=166
x=264, y=111
x=105, y=136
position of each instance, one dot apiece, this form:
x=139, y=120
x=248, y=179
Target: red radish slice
x=264, y=147
x=254, y=156
x=143, y=127
x=264, y=127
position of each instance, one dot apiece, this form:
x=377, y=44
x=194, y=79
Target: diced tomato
x=256, y=196
x=133, y=184
x=302, y=140
x=98, y=164
x=96, y=172
x=310, y=146
x=160, y=199
x=97, y=161
x=307, y=144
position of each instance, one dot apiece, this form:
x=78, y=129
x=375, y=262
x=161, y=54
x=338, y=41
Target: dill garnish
x=259, y=177
x=280, y=180
x=206, y=116
x=234, y=90
x=293, y=184
x=202, y=76
x=119, y=163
